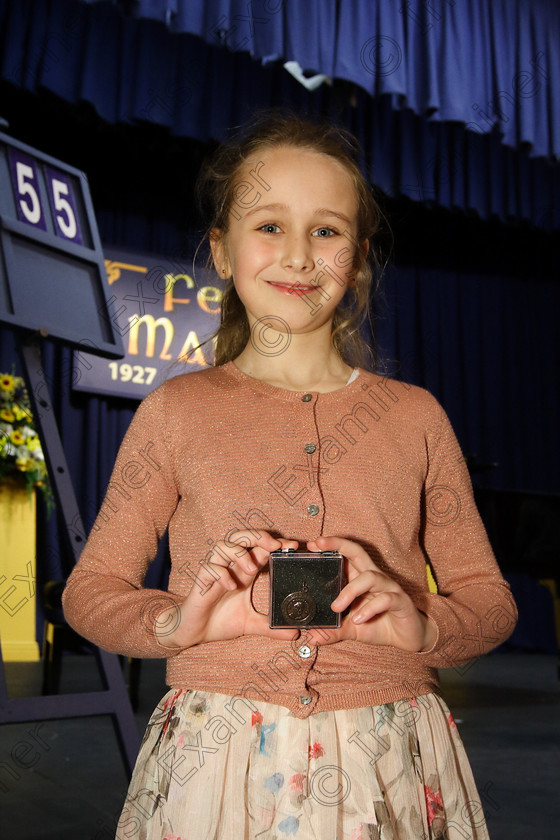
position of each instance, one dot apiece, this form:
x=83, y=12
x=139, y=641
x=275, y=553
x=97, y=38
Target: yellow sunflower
x=17, y=438
x=7, y=382
x=26, y=464
x=7, y=415
x=21, y=413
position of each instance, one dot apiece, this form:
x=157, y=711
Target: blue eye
x=324, y=232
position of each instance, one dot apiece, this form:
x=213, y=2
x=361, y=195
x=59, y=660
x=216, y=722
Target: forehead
x=299, y=174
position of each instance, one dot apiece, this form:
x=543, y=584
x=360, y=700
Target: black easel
x=113, y=700
x=53, y=281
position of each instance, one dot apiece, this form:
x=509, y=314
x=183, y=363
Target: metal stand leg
x=113, y=700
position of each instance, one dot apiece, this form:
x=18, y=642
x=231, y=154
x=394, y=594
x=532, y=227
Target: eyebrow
x=265, y=208
x=321, y=211
x=325, y=211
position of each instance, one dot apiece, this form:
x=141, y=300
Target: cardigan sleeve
x=473, y=610
x=104, y=599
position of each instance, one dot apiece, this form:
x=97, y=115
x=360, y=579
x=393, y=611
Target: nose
x=297, y=255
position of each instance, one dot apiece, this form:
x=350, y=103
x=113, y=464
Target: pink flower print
x=296, y=782
x=452, y=723
x=316, y=751
x=256, y=717
x=173, y=837
x=298, y=789
x=434, y=803
x=413, y=702
x=357, y=833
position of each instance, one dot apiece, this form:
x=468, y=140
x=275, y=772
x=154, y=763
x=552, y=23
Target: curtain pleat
x=135, y=69
x=444, y=59
x=486, y=346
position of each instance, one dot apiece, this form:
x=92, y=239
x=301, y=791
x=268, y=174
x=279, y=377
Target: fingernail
x=251, y=567
x=358, y=618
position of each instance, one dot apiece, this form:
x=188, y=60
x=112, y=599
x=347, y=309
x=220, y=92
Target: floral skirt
x=213, y=767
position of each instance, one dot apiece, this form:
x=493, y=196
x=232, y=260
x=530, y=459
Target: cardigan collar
x=257, y=386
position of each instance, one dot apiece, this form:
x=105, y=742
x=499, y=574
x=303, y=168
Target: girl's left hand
x=381, y=612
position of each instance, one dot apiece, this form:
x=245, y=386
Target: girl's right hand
x=219, y=607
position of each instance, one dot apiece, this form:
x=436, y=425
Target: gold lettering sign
x=163, y=313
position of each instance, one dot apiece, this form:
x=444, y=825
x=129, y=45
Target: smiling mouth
x=293, y=288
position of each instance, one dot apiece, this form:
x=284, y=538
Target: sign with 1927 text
x=162, y=311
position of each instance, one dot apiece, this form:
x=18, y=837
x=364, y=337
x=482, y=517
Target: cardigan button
x=305, y=700
x=313, y=510
x=310, y=448
x=305, y=651
x=307, y=397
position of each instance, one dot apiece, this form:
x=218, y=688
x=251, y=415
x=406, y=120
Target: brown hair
x=216, y=193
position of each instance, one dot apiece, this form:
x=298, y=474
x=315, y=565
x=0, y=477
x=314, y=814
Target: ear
x=364, y=251
x=219, y=252
x=364, y=248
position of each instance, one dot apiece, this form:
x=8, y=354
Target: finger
x=210, y=575
x=370, y=581
x=231, y=557
x=261, y=555
x=250, y=538
x=357, y=556
x=250, y=549
x=377, y=604
x=288, y=543
x=257, y=559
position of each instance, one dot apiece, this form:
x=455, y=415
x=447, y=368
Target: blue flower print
x=274, y=783
x=289, y=826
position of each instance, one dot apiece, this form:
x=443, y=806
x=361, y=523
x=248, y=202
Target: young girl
x=289, y=441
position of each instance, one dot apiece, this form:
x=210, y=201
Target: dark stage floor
x=507, y=707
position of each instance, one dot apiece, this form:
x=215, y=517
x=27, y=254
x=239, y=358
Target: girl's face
x=292, y=238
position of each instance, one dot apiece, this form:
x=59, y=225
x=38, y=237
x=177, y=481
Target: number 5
x=29, y=201
x=64, y=213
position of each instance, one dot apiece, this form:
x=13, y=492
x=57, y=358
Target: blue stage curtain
x=416, y=142
x=487, y=347
x=480, y=63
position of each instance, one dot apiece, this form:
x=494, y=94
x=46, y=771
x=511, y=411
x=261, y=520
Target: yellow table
x=17, y=574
